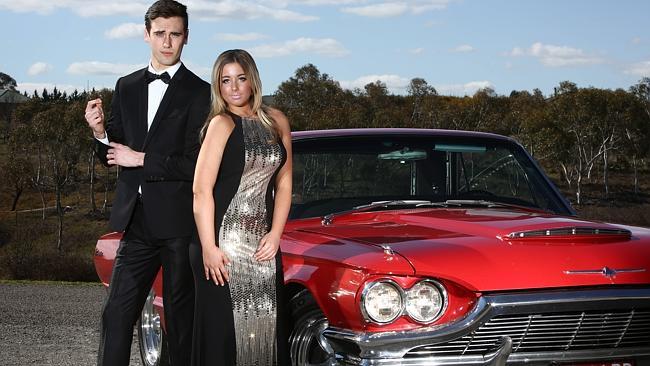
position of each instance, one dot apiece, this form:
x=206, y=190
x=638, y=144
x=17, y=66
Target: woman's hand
x=214, y=264
x=268, y=247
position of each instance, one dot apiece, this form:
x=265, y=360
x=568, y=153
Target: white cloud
x=322, y=46
x=396, y=84
x=639, y=69
x=463, y=89
x=326, y=2
x=39, y=68
x=198, y=9
x=85, y=8
x=202, y=71
x=225, y=9
x=416, y=51
x=463, y=48
x=102, y=68
x=378, y=10
x=240, y=37
x=396, y=8
x=557, y=56
x=126, y=30
x=38, y=87
x=636, y=40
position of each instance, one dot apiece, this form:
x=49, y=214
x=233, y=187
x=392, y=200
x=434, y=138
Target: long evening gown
x=242, y=323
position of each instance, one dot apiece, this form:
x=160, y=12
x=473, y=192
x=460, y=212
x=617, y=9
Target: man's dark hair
x=165, y=9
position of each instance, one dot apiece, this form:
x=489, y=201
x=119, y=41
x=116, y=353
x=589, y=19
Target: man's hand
x=122, y=155
x=95, y=117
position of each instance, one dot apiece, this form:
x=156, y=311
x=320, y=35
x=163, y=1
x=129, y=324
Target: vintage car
x=432, y=247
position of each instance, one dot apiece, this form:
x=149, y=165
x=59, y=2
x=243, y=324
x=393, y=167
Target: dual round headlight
x=384, y=301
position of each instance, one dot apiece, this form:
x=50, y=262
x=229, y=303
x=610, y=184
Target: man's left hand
x=124, y=156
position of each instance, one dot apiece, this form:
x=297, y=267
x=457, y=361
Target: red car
x=431, y=247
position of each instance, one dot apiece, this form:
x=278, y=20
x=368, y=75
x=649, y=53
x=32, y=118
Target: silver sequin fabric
x=252, y=283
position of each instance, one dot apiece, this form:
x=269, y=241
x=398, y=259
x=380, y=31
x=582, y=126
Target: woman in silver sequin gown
x=242, y=195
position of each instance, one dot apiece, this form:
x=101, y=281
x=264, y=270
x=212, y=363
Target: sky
x=457, y=46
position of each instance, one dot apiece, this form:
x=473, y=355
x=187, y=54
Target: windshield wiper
x=329, y=218
x=480, y=203
x=487, y=204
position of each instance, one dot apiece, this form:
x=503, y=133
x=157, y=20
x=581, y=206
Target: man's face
x=166, y=38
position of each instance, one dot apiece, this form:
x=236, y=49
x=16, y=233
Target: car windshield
x=337, y=174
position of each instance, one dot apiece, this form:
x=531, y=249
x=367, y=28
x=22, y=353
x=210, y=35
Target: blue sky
x=457, y=46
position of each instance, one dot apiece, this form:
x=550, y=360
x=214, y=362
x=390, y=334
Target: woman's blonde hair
x=218, y=104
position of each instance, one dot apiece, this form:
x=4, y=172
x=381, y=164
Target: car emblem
x=605, y=271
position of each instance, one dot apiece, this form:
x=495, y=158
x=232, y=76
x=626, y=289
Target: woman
x=242, y=195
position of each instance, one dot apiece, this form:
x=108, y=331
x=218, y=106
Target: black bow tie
x=150, y=76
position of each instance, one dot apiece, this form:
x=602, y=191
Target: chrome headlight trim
x=444, y=300
x=364, y=297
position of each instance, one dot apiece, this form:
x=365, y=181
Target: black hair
x=165, y=9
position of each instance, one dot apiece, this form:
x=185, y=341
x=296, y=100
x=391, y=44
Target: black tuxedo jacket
x=171, y=147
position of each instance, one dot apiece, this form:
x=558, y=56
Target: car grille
x=551, y=332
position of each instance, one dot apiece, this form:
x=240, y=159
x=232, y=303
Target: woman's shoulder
x=222, y=120
x=220, y=124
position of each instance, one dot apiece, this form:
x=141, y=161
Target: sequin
x=252, y=283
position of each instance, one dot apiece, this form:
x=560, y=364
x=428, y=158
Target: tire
x=307, y=345
x=151, y=337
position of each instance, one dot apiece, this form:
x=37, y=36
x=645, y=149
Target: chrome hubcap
x=150, y=332
x=308, y=345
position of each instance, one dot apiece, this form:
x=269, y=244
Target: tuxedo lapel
x=174, y=84
x=143, y=104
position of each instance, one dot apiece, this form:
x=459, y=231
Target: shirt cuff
x=104, y=140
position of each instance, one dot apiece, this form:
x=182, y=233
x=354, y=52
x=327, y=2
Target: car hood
x=498, y=249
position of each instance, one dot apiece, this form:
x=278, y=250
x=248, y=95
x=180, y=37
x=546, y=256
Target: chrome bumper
x=389, y=348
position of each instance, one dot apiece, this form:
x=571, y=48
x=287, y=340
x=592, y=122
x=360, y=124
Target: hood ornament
x=605, y=271
x=387, y=249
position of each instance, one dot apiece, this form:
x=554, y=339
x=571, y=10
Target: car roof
x=351, y=132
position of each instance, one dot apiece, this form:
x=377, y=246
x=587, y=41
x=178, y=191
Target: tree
x=642, y=91
x=16, y=174
x=61, y=133
x=7, y=82
x=311, y=99
x=423, y=96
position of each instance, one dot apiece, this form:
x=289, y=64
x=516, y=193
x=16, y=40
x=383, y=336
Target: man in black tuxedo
x=153, y=135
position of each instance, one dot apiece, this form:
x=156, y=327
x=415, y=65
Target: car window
x=333, y=175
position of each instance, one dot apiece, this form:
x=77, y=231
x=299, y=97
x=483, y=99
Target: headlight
x=425, y=301
x=382, y=301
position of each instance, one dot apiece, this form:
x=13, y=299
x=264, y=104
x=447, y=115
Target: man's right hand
x=95, y=118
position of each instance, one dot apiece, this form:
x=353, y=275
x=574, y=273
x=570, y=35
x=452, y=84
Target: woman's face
x=235, y=87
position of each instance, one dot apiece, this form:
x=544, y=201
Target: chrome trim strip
x=395, y=344
x=527, y=359
x=568, y=231
x=605, y=271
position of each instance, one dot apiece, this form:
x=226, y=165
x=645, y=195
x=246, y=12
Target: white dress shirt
x=156, y=91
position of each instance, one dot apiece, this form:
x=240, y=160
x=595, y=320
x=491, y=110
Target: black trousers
x=137, y=262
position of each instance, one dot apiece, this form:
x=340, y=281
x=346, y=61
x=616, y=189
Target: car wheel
x=307, y=344
x=151, y=339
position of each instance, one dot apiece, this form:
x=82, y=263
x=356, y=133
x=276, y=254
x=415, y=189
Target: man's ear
x=146, y=35
x=187, y=35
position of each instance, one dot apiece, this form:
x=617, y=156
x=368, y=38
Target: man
x=153, y=136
